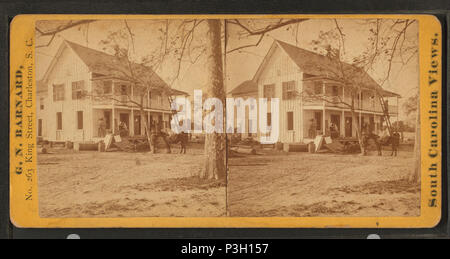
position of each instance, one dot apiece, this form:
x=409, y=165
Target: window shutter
x=290, y=120
x=59, y=120
x=80, y=119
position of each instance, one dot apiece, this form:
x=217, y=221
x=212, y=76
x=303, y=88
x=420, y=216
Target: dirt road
x=303, y=184
x=119, y=184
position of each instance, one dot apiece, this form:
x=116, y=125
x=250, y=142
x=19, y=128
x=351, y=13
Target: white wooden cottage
x=82, y=85
x=288, y=73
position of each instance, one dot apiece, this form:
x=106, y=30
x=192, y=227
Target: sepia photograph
x=288, y=117
x=346, y=119
x=105, y=92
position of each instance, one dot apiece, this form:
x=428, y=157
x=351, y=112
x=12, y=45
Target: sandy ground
x=119, y=184
x=303, y=184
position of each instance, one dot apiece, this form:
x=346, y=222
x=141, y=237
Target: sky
x=146, y=42
x=241, y=65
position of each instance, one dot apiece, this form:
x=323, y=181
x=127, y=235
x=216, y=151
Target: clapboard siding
x=285, y=65
x=67, y=69
x=278, y=69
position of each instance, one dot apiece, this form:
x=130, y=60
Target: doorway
x=125, y=118
x=137, y=125
x=371, y=124
x=348, y=127
x=107, y=116
x=336, y=120
x=318, y=119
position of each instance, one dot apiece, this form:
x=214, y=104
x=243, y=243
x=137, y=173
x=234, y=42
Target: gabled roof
x=322, y=66
x=101, y=63
x=245, y=87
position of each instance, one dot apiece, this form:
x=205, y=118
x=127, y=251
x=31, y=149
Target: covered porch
x=106, y=120
x=319, y=121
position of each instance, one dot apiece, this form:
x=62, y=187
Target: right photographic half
x=325, y=117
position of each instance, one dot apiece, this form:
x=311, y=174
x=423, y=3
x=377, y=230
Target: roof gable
x=101, y=63
x=319, y=65
x=55, y=60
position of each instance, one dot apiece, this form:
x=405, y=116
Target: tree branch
x=53, y=32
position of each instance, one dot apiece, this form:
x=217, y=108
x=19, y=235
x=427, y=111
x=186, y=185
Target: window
x=107, y=115
x=58, y=92
x=107, y=87
x=41, y=103
x=137, y=91
x=372, y=100
x=318, y=87
x=157, y=97
x=77, y=90
x=318, y=119
x=288, y=90
x=335, y=90
x=290, y=120
x=59, y=120
x=269, y=91
x=124, y=90
x=39, y=128
x=269, y=119
x=79, y=119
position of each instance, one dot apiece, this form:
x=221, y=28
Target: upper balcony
x=122, y=94
x=319, y=93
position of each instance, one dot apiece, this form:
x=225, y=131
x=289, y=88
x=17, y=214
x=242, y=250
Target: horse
x=374, y=137
x=393, y=141
x=181, y=138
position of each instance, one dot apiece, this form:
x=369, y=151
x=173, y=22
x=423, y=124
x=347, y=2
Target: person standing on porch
x=123, y=129
x=101, y=127
x=334, y=131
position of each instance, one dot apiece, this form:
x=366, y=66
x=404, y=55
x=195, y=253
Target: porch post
x=323, y=110
x=113, y=120
x=359, y=107
x=397, y=111
x=132, y=123
x=342, y=129
x=148, y=122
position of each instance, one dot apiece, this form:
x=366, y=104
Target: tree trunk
x=146, y=126
x=415, y=176
x=215, y=146
x=358, y=132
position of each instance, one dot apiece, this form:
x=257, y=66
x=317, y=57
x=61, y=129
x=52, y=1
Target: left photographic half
x=115, y=135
